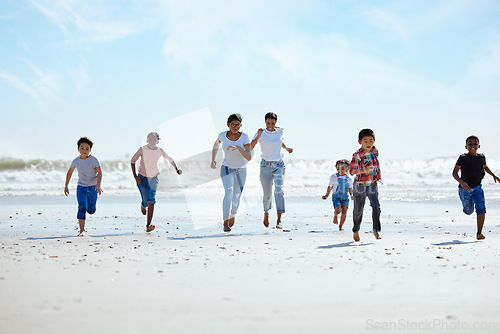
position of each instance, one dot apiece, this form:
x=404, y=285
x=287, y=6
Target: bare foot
x=150, y=228
x=355, y=236
x=143, y=210
x=377, y=235
x=480, y=236
x=226, y=226
x=335, y=220
x=81, y=234
x=266, y=219
x=231, y=221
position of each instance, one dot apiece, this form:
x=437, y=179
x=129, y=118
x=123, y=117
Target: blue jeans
x=473, y=198
x=273, y=172
x=87, y=200
x=233, y=180
x=362, y=191
x=147, y=188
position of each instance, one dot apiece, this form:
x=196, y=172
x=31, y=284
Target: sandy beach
x=427, y=275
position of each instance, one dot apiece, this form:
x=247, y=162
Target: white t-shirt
x=270, y=144
x=232, y=156
x=334, y=181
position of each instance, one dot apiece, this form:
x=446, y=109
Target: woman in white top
x=272, y=167
x=233, y=173
x=147, y=180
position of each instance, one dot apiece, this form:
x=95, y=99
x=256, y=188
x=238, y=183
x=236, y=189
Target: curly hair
x=344, y=162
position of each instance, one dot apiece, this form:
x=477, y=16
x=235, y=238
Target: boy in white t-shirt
x=341, y=184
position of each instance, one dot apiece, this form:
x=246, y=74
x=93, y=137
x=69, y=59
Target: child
x=472, y=166
x=366, y=167
x=147, y=180
x=341, y=184
x=89, y=181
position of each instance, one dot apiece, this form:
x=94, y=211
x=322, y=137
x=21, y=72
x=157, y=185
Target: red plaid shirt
x=362, y=159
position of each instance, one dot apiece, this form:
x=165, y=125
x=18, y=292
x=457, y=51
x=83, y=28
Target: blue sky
x=422, y=74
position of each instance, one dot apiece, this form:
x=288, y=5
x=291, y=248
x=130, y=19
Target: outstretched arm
x=177, y=170
x=171, y=161
x=99, y=179
x=256, y=139
x=133, y=160
x=327, y=192
x=288, y=149
x=487, y=170
x=137, y=178
x=462, y=183
x=215, y=149
x=68, y=177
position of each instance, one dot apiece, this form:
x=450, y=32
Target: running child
x=472, y=167
x=366, y=167
x=341, y=184
x=89, y=181
x=147, y=179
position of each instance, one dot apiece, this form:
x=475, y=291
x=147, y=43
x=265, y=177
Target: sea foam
x=409, y=180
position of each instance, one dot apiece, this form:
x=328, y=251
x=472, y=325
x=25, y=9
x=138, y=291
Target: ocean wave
x=403, y=180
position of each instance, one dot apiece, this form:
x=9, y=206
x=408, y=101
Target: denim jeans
x=147, y=188
x=362, y=191
x=339, y=201
x=473, y=198
x=87, y=200
x=273, y=172
x=233, y=180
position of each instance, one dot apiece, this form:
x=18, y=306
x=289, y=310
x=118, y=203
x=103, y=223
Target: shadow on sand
x=455, y=242
x=346, y=244
x=74, y=236
x=214, y=236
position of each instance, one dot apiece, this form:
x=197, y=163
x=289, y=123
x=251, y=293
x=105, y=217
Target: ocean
x=409, y=180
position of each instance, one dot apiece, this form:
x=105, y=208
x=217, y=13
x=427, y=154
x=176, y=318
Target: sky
x=423, y=74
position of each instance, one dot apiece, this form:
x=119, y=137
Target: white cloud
x=389, y=21
x=482, y=80
x=200, y=32
x=90, y=19
x=18, y=83
x=44, y=87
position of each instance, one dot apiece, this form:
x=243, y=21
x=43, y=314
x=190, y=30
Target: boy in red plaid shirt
x=366, y=167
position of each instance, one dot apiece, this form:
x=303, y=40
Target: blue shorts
x=338, y=201
x=147, y=188
x=474, y=198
